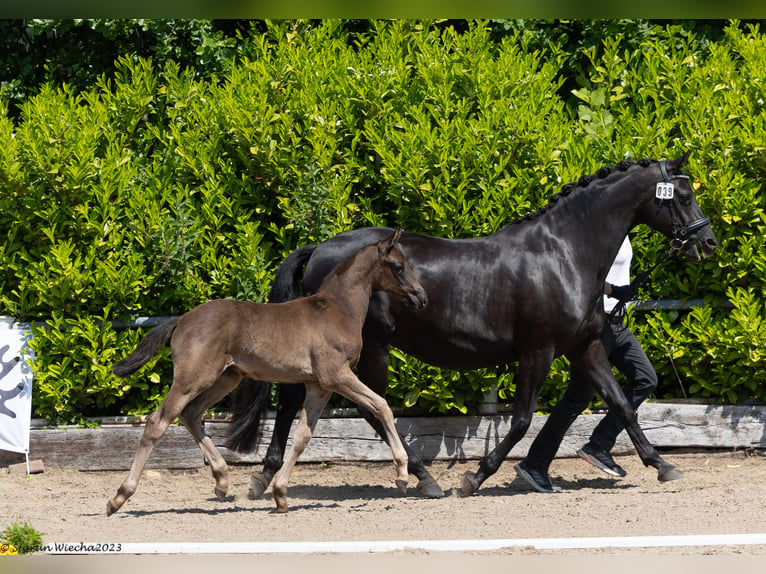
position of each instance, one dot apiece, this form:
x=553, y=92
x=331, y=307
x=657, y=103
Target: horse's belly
x=458, y=353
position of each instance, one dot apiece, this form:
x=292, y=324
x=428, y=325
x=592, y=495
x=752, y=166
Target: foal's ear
x=386, y=246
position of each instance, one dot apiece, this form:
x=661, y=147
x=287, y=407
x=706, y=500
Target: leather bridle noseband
x=681, y=233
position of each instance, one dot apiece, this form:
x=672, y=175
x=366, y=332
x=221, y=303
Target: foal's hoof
x=429, y=488
x=110, y=509
x=281, y=507
x=401, y=485
x=258, y=485
x=220, y=494
x=668, y=474
x=470, y=485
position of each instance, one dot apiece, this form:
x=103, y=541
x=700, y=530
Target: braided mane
x=584, y=181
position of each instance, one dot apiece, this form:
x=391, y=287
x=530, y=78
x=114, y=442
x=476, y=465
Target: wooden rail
x=667, y=425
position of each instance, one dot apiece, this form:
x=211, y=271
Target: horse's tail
x=146, y=349
x=252, y=397
x=288, y=275
x=248, y=402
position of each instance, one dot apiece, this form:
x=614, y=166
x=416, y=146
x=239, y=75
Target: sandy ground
x=720, y=494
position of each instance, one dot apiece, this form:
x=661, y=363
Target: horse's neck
x=596, y=220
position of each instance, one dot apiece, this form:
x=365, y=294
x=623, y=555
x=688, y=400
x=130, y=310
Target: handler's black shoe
x=536, y=479
x=601, y=459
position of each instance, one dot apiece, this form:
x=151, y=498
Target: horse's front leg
x=373, y=372
x=533, y=368
x=594, y=364
x=316, y=399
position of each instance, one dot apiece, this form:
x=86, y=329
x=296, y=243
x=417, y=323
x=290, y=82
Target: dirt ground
x=720, y=494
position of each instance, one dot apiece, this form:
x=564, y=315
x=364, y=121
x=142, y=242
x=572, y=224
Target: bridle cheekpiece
x=664, y=196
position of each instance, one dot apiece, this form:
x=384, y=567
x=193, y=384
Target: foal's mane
x=583, y=182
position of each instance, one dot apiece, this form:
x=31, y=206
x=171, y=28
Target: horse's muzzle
x=701, y=245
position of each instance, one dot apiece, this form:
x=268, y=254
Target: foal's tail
x=252, y=397
x=146, y=349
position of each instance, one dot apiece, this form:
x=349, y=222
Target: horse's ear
x=396, y=236
x=678, y=163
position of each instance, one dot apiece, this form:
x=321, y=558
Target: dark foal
x=314, y=341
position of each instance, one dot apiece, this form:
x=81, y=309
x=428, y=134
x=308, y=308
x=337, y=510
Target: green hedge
x=155, y=190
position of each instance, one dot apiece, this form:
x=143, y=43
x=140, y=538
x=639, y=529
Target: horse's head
x=675, y=212
x=397, y=277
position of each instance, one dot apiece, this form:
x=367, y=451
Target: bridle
x=681, y=233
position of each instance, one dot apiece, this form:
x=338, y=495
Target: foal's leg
x=373, y=372
x=191, y=417
x=533, y=368
x=316, y=399
x=349, y=386
x=156, y=425
x=595, y=365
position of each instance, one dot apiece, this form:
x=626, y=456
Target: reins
x=618, y=312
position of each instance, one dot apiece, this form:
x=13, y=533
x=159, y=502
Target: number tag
x=664, y=190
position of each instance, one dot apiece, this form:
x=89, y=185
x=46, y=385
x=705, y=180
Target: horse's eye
x=398, y=268
x=685, y=198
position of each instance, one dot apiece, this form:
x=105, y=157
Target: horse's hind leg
x=316, y=399
x=191, y=417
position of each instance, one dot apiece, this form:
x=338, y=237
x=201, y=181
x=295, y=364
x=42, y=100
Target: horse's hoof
x=258, y=485
x=110, y=509
x=221, y=494
x=401, y=485
x=470, y=485
x=429, y=488
x=669, y=474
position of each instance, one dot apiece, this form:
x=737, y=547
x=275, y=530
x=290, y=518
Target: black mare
x=528, y=293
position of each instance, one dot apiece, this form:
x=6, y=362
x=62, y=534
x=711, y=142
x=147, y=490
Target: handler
x=625, y=353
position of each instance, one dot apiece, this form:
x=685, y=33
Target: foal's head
x=396, y=276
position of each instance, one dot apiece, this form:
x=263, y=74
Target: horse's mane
x=583, y=182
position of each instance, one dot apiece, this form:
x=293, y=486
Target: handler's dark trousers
x=627, y=355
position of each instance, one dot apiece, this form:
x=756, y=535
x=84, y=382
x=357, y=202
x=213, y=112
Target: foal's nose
x=419, y=298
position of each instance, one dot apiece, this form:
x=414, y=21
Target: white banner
x=15, y=386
